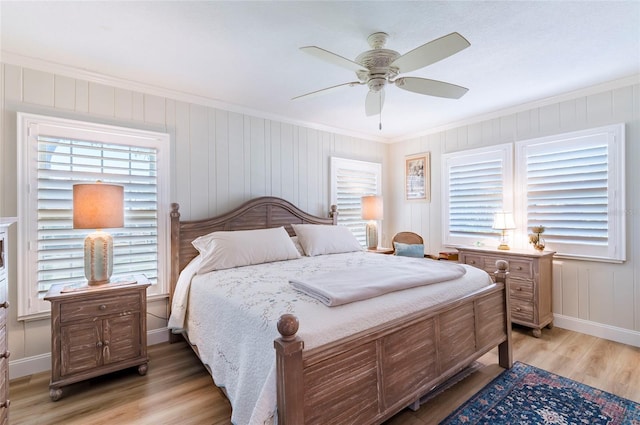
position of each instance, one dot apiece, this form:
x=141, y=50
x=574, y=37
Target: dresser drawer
x=520, y=288
x=3, y=299
x=521, y=310
x=520, y=268
x=88, y=309
x=474, y=260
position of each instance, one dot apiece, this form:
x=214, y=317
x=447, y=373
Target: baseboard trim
x=42, y=362
x=600, y=330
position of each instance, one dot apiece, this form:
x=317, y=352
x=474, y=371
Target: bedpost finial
x=175, y=207
x=502, y=265
x=288, y=326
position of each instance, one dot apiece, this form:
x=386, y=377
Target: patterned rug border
x=526, y=394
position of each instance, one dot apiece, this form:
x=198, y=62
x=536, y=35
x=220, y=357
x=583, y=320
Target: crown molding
x=37, y=64
x=586, y=91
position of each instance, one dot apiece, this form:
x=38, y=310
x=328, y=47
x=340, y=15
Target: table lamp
x=503, y=221
x=98, y=206
x=372, y=211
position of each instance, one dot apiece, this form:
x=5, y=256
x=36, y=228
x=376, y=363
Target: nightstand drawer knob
x=472, y=262
x=5, y=355
x=4, y=304
x=99, y=344
x=5, y=404
x=519, y=288
x=518, y=309
x=103, y=307
x=519, y=268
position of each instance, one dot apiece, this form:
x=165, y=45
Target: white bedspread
x=231, y=316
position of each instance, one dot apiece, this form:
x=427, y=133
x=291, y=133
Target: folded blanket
x=356, y=284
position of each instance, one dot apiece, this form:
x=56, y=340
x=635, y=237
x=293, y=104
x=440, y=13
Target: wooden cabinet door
x=121, y=338
x=80, y=346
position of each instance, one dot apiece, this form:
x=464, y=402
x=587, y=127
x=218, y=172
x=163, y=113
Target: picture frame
x=418, y=177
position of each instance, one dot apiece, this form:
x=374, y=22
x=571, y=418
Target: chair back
x=406, y=237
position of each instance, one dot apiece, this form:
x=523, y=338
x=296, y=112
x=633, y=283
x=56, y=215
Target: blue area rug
x=528, y=395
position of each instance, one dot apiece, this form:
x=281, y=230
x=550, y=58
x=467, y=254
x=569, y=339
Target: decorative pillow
x=319, y=239
x=409, y=250
x=224, y=250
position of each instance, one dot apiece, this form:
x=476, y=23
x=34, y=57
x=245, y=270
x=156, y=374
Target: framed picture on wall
x=418, y=177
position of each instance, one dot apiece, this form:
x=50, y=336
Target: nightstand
x=97, y=330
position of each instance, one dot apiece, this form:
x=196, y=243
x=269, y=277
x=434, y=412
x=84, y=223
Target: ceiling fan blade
x=326, y=89
x=327, y=56
x=431, y=52
x=431, y=87
x=374, y=102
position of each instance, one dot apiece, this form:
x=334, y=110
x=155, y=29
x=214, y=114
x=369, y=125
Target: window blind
x=567, y=194
x=350, y=181
x=62, y=162
x=573, y=184
x=475, y=194
x=476, y=184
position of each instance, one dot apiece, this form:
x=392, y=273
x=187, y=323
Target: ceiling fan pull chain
x=380, y=103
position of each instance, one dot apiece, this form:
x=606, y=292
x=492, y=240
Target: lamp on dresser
x=98, y=206
x=372, y=208
x=503, y=221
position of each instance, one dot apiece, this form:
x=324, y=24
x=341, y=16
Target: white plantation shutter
x=476, y=184
x=54, y=250
x=63, y=163
x=350, y=180
x=573, y=185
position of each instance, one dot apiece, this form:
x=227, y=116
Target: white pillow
x=319, y=239
x=296, y=243
x=224, y=250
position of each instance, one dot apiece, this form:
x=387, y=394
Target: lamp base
x=372, y=235
x=98, y=258
x=504, y=247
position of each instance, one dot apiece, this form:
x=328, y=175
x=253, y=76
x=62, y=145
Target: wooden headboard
x=258, y=213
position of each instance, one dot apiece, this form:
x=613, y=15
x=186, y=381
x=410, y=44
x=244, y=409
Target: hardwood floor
x=178, y=389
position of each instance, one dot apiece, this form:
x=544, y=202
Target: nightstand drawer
x=521, y=310
x=88, y=309
x=522, y=289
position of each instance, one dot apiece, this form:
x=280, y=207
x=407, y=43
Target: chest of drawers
x=96, y=331
x=529, y=282
x=4, y=305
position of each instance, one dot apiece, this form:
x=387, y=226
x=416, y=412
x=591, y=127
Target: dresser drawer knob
x=103, y=307
x=4, y=304
x=519, y=288
x=5, y=404
x=472, y=262
x=5, y=355
x=99, y=344
x=519, y=268
x=518, y=309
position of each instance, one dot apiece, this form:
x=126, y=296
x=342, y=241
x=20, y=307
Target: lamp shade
x=98, y=206
x=372, y=207
x=503, y=220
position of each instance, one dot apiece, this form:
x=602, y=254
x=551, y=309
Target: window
x=350, y=180
x=477, y=183
x=54, y=154
x=573, y=185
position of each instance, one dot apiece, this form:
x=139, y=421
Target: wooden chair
x=406, y=237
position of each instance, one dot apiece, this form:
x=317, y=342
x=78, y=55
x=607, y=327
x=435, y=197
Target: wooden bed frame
x=368, y=377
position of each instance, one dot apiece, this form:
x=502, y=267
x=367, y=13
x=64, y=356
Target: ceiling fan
x=379, y=66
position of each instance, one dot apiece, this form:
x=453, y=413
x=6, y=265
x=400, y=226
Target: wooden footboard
x=369, y=377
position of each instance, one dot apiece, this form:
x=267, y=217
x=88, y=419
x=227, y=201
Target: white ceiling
x=246, y=54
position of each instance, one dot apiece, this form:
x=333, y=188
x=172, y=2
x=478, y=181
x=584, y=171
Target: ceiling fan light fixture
x=380, y=66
